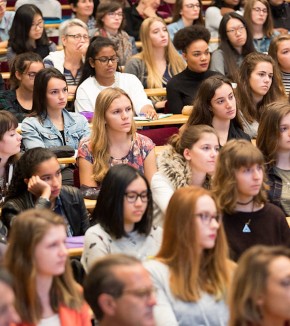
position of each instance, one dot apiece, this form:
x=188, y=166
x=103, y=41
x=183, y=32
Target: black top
x=281, y=15
x=236, y=132
x=182, y=88
x=133, y=22
x=72, y=203
x=268, y=226
x=9, y=102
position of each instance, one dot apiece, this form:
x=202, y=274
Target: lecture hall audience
x=203, y=186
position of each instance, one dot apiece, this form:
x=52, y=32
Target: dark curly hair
x=185, y=36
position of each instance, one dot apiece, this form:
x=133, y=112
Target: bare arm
x=150, y=165
x=86, y=172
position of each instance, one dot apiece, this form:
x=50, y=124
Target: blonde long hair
x=175, y=61
x=190, y=271
x=99, y=138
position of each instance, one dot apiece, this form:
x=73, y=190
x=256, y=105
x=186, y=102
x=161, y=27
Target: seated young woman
x=114, y=141
x=51, y=124
x=186, y=13
x=37, y=182
x=74, y=37
x=240, y=190
x=235, y=43
x=191, y=271
x=10, y=142
x=215, y=105
x=84, y=11
x=279, y=50
x=158, y=61
x=27, y=33
x=260, y=22
x=214, y=14
x=110, y=23
x=123, y=218
x=259, y=84
x=37, y=253
x=189, y=159
x=259, y=292
x=182, y=88
x=18, y=100
x=100, y=72
x=273, y=141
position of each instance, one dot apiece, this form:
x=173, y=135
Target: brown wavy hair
x=243, y=92
x=269, y=130
x=234, y=155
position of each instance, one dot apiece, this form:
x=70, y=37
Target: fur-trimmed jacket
x=173, y=172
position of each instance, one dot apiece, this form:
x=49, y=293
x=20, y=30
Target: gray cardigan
x=171, y=311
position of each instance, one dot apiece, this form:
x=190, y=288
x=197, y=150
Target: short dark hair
x=101, y=279
x=185, y=36
x=20, y=28
x=110, y=204
x=40, y=86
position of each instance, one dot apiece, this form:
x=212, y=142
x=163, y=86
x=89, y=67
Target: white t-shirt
x=50, y=321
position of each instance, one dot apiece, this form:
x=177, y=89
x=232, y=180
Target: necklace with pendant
x=246, y=228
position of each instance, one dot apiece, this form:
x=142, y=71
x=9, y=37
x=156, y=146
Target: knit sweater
x=268, y=226
x=182, y=88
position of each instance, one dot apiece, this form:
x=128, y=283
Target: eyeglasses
x=206, y=218
x=79, y=36
x=239, y=29
x=143, y=294
x=106, y=60
x=192, y=6
x=31, y=75
x=132, y=196
x=115, y=14
x=259, y=10
x=40, y=24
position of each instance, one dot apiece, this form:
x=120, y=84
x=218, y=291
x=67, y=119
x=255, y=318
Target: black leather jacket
x=73, y=206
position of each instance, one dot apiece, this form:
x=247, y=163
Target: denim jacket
x=44, y=134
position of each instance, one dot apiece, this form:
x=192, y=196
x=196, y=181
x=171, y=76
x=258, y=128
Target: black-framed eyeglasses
x=132, y=196
x=31, y=75
x=79, y=36
x=206, y=218
x=106, y=60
